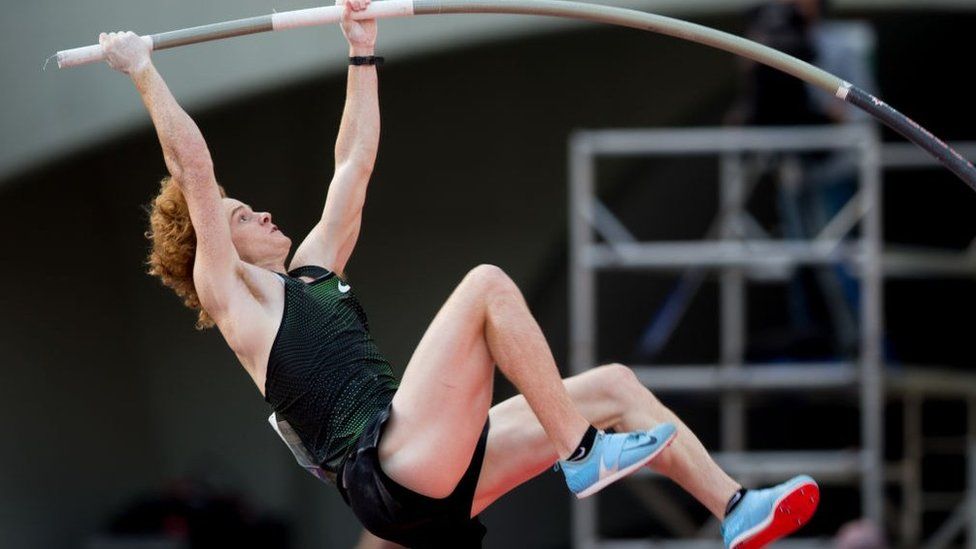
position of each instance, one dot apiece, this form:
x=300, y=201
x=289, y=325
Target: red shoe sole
x=792, y=511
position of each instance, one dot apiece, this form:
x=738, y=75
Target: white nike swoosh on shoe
x=604, y=472
x=618, y=473
x=344, y=287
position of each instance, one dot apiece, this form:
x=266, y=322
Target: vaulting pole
x=572, y=10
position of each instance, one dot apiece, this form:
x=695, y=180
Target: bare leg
x=446, y=391
x=609, y=396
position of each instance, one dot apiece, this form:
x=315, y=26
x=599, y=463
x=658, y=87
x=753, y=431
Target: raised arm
x=188, y=160
x=331, y=241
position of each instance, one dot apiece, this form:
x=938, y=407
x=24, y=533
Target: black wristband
x=366, y=60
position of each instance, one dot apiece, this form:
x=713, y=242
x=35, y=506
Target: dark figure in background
x=772, y=97
x=812, y=187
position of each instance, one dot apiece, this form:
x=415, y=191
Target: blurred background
x=815, y=315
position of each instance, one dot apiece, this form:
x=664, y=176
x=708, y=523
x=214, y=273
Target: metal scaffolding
x=738, y=254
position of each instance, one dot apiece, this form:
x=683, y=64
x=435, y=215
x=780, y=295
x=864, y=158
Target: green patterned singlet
x=325, y=376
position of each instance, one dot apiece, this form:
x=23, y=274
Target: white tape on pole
x=331, y=14
x=280, y=21
x=844, y=91
x=87, y=54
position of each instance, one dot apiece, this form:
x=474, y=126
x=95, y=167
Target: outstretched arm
x=188, y=161
x=331, y=241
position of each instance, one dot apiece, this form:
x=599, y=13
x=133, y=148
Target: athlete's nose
x=265, y=218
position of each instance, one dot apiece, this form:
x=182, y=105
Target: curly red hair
x=174, y=246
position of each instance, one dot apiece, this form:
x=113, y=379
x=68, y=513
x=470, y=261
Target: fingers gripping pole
x=88, y=54
x=574, y=10
x=330, y=14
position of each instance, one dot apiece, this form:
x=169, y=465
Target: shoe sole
x=791, y=511
x=606, y=481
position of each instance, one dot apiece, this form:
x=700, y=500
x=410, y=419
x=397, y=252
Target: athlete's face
x=256, y=238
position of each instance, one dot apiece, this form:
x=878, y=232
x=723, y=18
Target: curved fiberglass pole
x=573, y=10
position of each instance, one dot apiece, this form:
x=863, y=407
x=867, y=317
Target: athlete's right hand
x=361, y=34
x=125, y=52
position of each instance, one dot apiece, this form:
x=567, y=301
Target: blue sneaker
x=764, y=516
x=614, y=456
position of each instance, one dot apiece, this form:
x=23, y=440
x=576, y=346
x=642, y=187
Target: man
x=417, y=460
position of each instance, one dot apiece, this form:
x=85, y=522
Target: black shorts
x=397, y=514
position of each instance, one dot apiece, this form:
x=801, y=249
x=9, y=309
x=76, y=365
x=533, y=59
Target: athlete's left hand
x=361, y=34
x=125, y=51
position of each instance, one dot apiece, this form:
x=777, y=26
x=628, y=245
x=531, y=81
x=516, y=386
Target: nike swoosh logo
x=343, y=288
x=604, y=472
x=582, y=450
x=650, y=442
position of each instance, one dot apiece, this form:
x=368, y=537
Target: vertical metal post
x=971, y=472
x=872, y=332
x=733, y=302
x=582, y=302
x=911, y=522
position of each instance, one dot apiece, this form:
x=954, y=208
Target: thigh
x=518, y=448
x=443, y=400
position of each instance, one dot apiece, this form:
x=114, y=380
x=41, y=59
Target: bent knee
x=620, y=381
x=487, y=273
x=490, y=279
x=617, y=374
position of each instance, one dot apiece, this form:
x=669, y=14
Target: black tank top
x=325, y=375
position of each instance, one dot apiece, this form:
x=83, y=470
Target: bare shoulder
x=327, y=245
x=251, y=320
x=252, y=311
